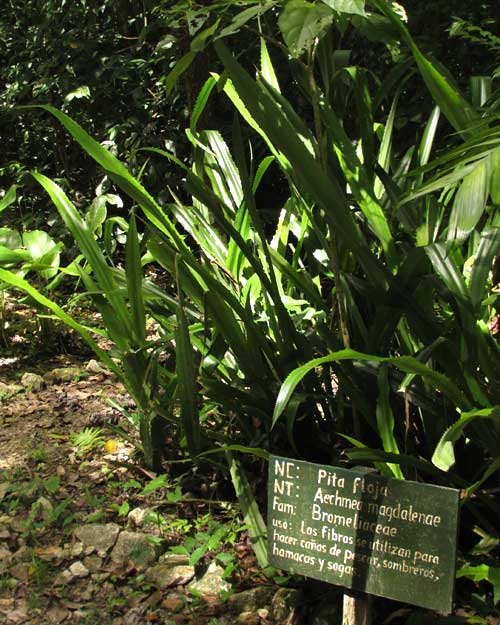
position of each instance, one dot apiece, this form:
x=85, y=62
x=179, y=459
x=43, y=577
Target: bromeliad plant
x=121, y=305
x=413, y=290
x=360, y=312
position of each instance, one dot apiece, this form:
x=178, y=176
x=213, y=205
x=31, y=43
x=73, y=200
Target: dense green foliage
x=348, y=318
x=110, y=65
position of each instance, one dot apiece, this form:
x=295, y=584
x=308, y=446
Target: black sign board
x=386, y=537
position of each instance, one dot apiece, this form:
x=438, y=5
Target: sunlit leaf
x=78, y=94
x=38, y=243
x=9, y=257
x=200, y=41
x=444, y=455
x=158, y=482
x=133, y=270
x=97, y=212
x=495, y=175
x=120, y=175
x=262, y=110
x=9, y=197
x=267, y=68
x=378, y=456
x=483, y=572
x=347, y=6
x=470, y=201
x=385, y=418
x=301, y=22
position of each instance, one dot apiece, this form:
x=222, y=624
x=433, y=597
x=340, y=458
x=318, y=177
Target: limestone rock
x=94, y=368
x=78, y=569
x=62, y=374
x=173, y=603
x=20, y=571
x=85, y=595
x=76, y=550
x=32, y=381
x=136, y=516
x=134, y=616
x=93, y=563
x=248, y=618
x=212, y=583
x=100, y=577
x=162, y=575
x=57, y=615
x=285, y=600
x=98, y=536
x=19, y=614
x=144, y=518
x=5, y=560
x=173, y=559
x=80, y=615
x=133, y=546
x=63, y=578
x=251, y=600
x=8, y=390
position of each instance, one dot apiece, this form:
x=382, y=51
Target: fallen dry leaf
x=6, y=604
x=49, y=552
x=135, y=600
x=57, y=615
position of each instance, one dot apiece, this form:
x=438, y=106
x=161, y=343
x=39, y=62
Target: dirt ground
x=51, y=487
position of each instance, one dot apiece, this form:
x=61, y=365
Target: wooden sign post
x=371, y=534
x=356, y=609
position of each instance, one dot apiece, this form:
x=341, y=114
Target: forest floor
x=86, y=534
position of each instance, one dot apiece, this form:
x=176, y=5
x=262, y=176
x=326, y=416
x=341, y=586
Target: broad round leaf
x=301, y=23
x=356, y=7
x=10, y=238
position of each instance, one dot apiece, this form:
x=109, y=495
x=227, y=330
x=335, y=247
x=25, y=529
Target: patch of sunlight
x=5, y=362
x=11, y=461
x=19, y=339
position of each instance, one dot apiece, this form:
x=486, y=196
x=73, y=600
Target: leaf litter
x=48, y=490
